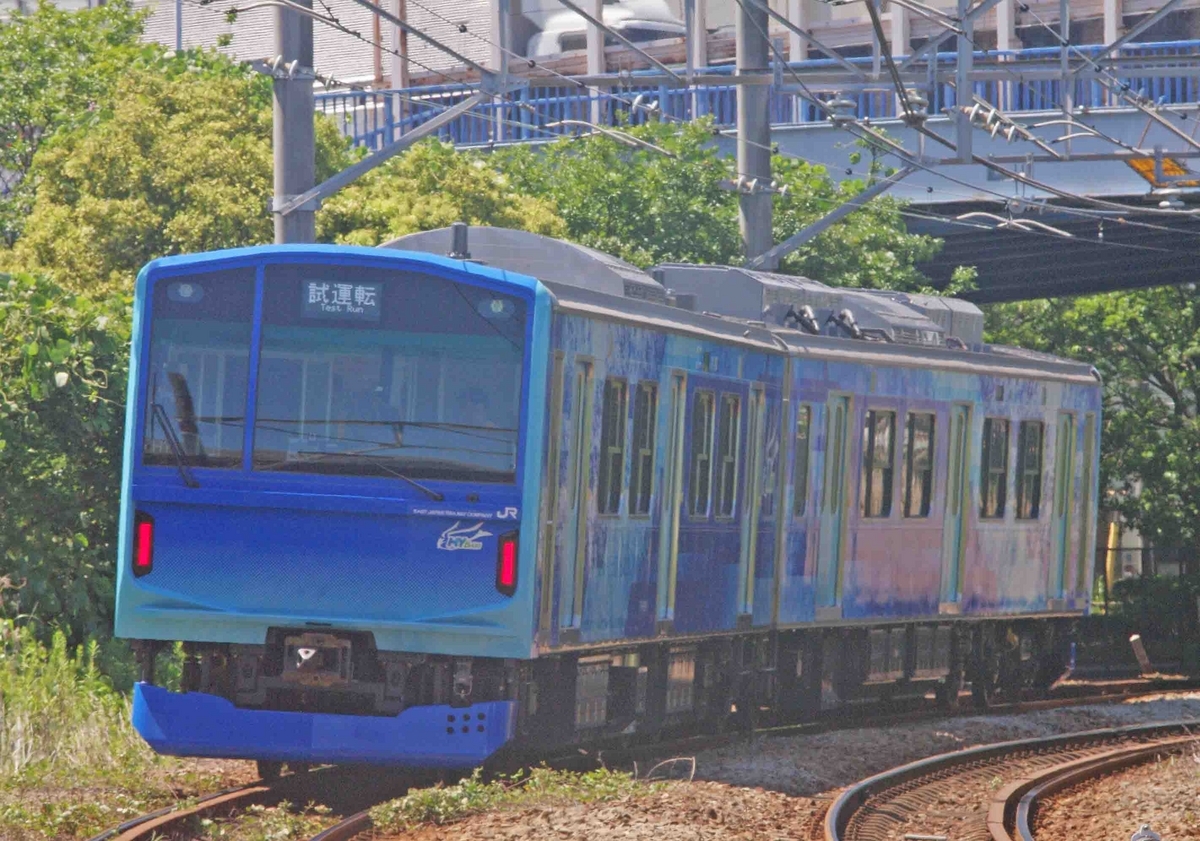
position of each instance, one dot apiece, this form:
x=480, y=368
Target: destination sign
x=331, y=299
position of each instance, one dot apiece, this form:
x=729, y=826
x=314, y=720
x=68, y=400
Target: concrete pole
x=962, y=83
x=1006, y=27
x=293, y=132
x=1114, y=20
x=1064, y=58
x=179, y=26
x=754, y=132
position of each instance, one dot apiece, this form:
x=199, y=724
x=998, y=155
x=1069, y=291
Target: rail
x=876, y=806
x=1164, y=72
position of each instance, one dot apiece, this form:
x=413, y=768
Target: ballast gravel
x=778, y=787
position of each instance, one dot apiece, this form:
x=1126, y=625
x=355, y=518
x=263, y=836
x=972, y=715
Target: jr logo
x=463, y=537
x=508, y=513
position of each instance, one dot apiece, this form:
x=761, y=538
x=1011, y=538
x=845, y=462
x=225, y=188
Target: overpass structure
x=1012, y=140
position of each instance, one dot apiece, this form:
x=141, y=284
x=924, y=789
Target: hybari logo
x=463, y=537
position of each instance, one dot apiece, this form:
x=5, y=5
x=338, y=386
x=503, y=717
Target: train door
x=1064, y=492
x=755, y=443
x=958, y=499
x=550, y=496
x=831, y=524
x=1086, y=537
x=579, y=481
x=671, y=499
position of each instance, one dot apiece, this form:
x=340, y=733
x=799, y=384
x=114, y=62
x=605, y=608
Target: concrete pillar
x=754, y=132
x=596, y=62
x=1114, y=20
x=901, y=31
x=700, y=35
x=1006, y=28
x=797, y=46
x=294, y=129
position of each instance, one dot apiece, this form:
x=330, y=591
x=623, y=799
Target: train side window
x=879, y=435
x=800, y=465
x=1030, y=435
x=641, y=480
x=994, y=468
x=700, y=482
x=612, y=446
x=918, y=464
x=729, y=433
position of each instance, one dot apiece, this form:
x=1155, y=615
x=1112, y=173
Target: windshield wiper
x=164, y=420
x=436, y=496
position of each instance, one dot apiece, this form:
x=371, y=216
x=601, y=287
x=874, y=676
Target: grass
x=542, y=786
x=268, y=823
x=71, y=763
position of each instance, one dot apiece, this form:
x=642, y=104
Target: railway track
x=174, y=822
x=989, y=793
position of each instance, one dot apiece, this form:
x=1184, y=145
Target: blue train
x=404, y=508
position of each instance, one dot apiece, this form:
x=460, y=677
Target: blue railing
x=372, y=118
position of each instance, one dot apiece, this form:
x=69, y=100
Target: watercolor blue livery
x=407, y=509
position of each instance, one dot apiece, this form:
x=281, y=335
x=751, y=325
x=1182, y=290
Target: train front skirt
x=435, y=736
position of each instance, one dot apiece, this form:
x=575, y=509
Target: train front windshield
x=361, y=372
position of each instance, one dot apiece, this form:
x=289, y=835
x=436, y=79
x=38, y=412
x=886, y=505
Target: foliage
x=268, y=823
x=648, y=194
x=1161, y=609
x=55, y=66
x=177, y=162
x=62, y=387
x=429, y=187
x=472, y=795
x=1146, y=346
x=58, y=715
x=635, y=202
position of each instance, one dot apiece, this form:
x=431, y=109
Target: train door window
x=1085, y=512
x=800, y=465
x=994, y=468
x=879, y=435
x=700, y=483
x=641, y=480
x=729, y=432
x=612, y=447
x=1029, y=469
x=918, y=464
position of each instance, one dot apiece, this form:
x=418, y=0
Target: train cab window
x=728, y=434
x=641, y=480
x=800, y=465
x=374, y=372
x=879, y=435
x=918, y=464
x=993, y=480
x=1030, y=435
x=612, y=447
x=198, y=373
x=700, y=482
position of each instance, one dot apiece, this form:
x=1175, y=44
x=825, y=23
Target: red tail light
x=506, y=564
x=143, y=543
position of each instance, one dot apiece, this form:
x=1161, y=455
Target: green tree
x=1146, y=346
x=62, y=386
x=54, y=67
x=178, y=161
x=429, y=187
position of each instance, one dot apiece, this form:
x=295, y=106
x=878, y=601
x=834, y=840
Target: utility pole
x=294, y=117
x=754, y=133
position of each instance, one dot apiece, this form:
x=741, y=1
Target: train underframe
x=650, y=687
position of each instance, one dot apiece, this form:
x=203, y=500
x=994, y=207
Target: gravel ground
x=1162, y=794
x=777, y=787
